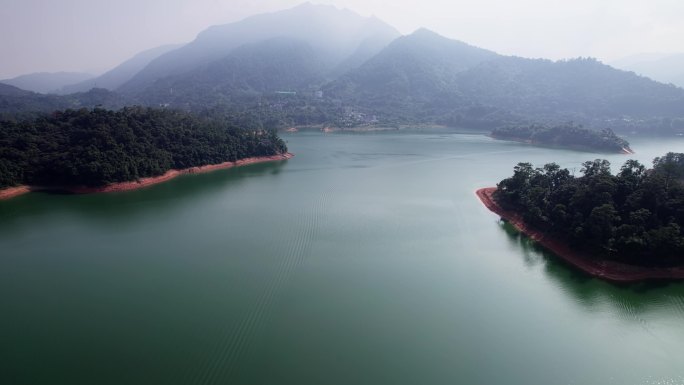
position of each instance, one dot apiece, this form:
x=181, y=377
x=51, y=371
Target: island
x=98, y=150
x=568, y=136
x=621, y=228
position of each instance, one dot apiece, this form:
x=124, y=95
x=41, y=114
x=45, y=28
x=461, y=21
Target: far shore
x=623, y=150
x=12, y=192
x=607, y=270
x=367, y=128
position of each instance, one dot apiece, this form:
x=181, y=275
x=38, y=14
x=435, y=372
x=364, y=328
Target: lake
x=366, y=259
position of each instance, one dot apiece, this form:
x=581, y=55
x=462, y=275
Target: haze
x=95, y=35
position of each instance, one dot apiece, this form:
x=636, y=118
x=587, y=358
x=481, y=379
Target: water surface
x=366, y=259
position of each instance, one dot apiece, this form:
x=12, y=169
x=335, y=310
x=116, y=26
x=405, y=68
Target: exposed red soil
x=607, y=270
x=12, y=192
x=144, y=182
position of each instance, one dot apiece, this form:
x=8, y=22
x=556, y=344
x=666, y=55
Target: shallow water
x=365, y=259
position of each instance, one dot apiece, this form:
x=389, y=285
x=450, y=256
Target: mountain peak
x=342, y=36
x=428, y=42
x=424, y=35
x=422, y=31
x=310, y=5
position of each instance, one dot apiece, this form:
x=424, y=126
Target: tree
x=636, y=216
x=98, y=147
x=596, y=167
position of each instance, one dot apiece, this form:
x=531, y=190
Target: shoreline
x=366, y=128
x=623, y=150
x=12, y=192
x=607, y=270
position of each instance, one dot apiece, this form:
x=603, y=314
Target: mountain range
x=114, y=78
x=47, y=82
x=18, y=103
x=316, y=64
x=342, y=37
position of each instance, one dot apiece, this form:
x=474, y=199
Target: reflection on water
x=125, y=207
x=631, y=300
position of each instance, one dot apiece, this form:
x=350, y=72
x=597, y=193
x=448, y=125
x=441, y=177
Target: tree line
x=98, y=147
x=635, y=216
x=566, y=135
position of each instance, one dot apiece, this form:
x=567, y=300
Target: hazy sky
x=95, y=35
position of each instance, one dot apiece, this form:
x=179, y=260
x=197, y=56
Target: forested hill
x=636, y=216
x=20, y=104
x=267, y=67
x=565, y=136
x=415, y=72
x=98, y=147
x=46, y=82
x=583, y=90
x=344, y=37
x=7, y=90
x=410, y=81
x=319, y=65
x=120, y=74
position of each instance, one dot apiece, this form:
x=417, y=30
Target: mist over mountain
x=666, y=68
x=274, y=65
x=427, y=77
x=413, y=73
x=120, y=74
x=8, y=90
x=16, y=103
x=345, y=37
x=579, y=88
x=318, y=65
x=46, y=82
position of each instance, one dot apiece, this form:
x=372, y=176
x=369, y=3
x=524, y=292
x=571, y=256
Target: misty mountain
x=346, y=38
x=413, y=71
x=426, y=77
x=279, y=64
x=268, y=68
x=660, y=67
x=120, y=74
x=573, y=87
x=12, y=91
x=46, y=82
x=17, y=103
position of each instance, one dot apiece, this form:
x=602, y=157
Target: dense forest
x=634, y=217
x=97, y=147
x=566, y=136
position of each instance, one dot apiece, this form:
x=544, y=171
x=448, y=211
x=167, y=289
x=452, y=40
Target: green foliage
x=418, y=79
x=412, y=85
x=566, y=135
x=98, y=147
x=635, y=216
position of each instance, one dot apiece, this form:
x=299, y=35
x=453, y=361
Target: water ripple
x=233, y=344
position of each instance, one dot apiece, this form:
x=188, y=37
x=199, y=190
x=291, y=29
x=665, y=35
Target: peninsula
x=568, y=136
x=621, y=228
x=92, y=151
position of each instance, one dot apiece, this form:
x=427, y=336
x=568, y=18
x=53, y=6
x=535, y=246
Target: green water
x=366, y=259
